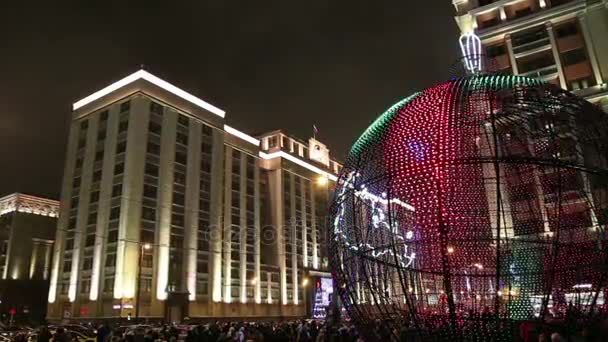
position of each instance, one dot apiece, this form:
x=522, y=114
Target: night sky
x=269, y=64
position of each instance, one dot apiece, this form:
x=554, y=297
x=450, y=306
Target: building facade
x=560, y=41
x=167, y=212
x=27, y=233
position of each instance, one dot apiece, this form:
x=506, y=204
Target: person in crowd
x=61, y=336
x=103, y=333
x=44, y=334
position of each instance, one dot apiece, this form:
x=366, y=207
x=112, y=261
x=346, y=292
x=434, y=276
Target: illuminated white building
x=560, y=41
x=222, y=223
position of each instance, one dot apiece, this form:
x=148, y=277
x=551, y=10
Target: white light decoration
x=142, y=74
x=241, y=135
x=379, y=221
x=304, y=164
x=470, y=45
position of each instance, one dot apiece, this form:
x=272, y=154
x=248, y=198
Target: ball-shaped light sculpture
x=470, y=208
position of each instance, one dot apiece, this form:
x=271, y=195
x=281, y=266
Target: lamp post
x=143, y=247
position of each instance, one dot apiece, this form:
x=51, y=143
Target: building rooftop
x=29, y=204
x=133, y=83
x=142, y=74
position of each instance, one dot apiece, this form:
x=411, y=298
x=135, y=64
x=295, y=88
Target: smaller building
x=27, y=232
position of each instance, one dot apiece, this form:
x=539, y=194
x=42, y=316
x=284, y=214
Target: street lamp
x=322, y=180
x=143, y=247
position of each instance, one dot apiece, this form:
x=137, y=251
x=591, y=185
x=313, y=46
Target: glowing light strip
x=241, y=135
x=365, y=194
x=142, y=74
x=299, y=162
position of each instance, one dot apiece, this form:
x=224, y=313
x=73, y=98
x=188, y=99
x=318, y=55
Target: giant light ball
x=471, y=207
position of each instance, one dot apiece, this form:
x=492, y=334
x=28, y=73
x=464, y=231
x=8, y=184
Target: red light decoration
x=471, y=207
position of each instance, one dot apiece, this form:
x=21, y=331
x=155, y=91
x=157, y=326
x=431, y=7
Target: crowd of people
x=302, y=331
x=474, y=330
x=299, y=331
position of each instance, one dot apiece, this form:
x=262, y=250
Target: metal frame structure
x=471, y=207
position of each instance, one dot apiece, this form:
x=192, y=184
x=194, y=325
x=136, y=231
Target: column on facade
x=269, y=287
x=47, y=260
x=556, y=56
x=315, y=225
x=83, y=207
x=590, y=49
x=512, y=59
x=304, y=226
x=39, y=259
x=105, y=196
x=293, y=235
x=191, y=219
x=243, y=229
x=165, y=202
x=7, y=257
x=227, y=240
x=276, y=199
x=64, y=209
x=358, y=288
x=503, y=14
x=217, y=174
x=34, y=258
x=257, y=294
x=129, y=230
